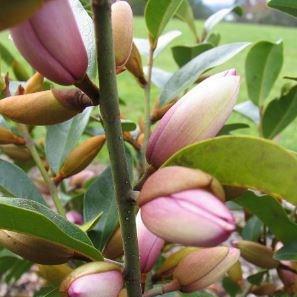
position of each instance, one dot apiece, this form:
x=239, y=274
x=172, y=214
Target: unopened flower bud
x=34, y=84
x=265, y=289
x=198, y=115
x=288, y=278
x=35, y=249
x=122, y=31
x=114, y=248
x=167, y=268
x=7, y=137
x=93, y=279
x=16, y=152
x=81, y=157
x=181, y=206
x=134, y=65
x=15, y=11
x=74, y=217
x=257, y=254
x=44, y=108
x=150, y=246
x=51, y=42
x=200, y=269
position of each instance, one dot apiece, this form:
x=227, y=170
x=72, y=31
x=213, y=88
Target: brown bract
x=174, y=179
x=114, y=248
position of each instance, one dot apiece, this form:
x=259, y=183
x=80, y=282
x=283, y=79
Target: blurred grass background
x=132, y=94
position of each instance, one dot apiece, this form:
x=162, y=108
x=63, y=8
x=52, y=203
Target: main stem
x=109, y=106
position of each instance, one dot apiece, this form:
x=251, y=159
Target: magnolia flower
x=181, y=205
x=200, y=269
x=51, y=42
x=150, y=246
x=198, y=115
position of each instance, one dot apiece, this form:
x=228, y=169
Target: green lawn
x=133, y=94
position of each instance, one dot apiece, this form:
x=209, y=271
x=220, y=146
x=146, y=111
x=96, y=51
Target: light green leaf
x=243, y=161
x=272, y=214
x=88, y=226
x=32, y=218
x=185, y=13
x=62, y=138
x=217, y=17
x=262, y=67
x=158, y=14
x=189, y=73
x=287, y=6
x=280, y=113
x=183, y=54
x=15, y=182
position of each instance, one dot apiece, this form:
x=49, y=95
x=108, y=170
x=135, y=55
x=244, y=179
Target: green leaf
x=244, y=161
x=15, y=182
x=128, y=125
x=217, y=17
x=288, y=252
x=252, y=229
x=257, y=278
x=249, y=110
x=232, y=288
x=158, y=14
x=287, y=6
x=271, y=213
x=229, y=128
x=88, y=226
x=86, y=28
x=280, y=113
x=62, y=138
x=31, y=218
x=100, y=198
x=214, y=39
x=48, y=292
x=189, y=73
x=159, y=77
x=183, y=54
x=185, y=13
x=262, y=67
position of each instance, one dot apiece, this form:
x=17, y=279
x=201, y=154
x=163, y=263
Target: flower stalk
x=109, y=107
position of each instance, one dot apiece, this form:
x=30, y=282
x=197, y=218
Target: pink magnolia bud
x=93, y=279
x=51, y=42
x=74, y=217
x=149, y=244
x=198, y=115
x=200, y=269
x=179, y=205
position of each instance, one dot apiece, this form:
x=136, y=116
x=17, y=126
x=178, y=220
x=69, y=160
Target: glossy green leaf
x=217, y=17
x=158, y=14
x=183, y=54
x=100, y=198
x=62, y=138
x=287, y=6
x=185, y=13
x=31, y=218
x=128, y=125
x=271, y=213
x=257, y=278
x=232, y=288
x=288, y=252
x=243, y=161
x=189, y=73
x=280, y=113
x=229, y=128
x=15, y=182
x=88, y=226
x=262, y=67
x=252, y=230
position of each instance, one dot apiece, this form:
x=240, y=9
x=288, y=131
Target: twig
x=109, y=106
x=51, y=186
